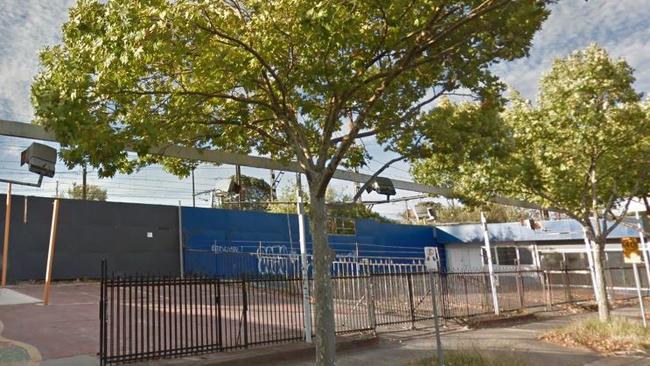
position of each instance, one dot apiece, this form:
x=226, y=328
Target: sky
x=26, y=26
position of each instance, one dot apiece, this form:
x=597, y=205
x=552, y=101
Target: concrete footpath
x=520, y=341
x=65, y=333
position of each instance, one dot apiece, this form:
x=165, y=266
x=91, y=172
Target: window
x=525, y=256
x=615, y=259
x=341, y=226
x=551, y=260
x=507, y=256
x=484, y=255
x=576, y=260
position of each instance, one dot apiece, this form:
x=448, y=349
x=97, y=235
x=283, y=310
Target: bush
x=619, y=335
x=471, y=358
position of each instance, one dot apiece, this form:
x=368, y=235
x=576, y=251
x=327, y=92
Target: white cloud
x=622, y=27
x=26, y=26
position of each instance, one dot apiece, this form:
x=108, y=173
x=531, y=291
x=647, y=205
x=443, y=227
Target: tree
x=295, y=80
x=581, y=150
x=458, y=214
x=338, y=205
x=93, y=192
x=255, y=193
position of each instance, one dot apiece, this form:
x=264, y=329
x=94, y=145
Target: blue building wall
x=219, y=242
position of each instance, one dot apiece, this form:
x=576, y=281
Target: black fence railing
x=144, y=317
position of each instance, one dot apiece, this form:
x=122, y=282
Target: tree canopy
x=93, y=192
x=583, y=146
x=292, y=79
x=458, y=214
x=255, y=194
x=253, y=75
x=338, y=205
x=583, y=149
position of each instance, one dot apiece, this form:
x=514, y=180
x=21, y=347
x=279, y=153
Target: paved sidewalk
x=61, y=333
x=521, y=341
x=65, y=333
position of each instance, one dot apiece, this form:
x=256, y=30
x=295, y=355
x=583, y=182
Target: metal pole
x=5, y=247
x=25, y=211
x=638, y=292
x=180, y=240
x=50, y=252
x=84, y=187
x=273, y=194
x=193, y=190
x=488, y=252
x=644, y=248
x=303, y=260
x=241, y=188
x=590, y=259
x=434, y=302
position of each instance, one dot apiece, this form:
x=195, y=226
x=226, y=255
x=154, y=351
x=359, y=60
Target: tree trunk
x=323, y=256
x=598, y=247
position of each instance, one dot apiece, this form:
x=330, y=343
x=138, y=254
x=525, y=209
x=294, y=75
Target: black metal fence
x=145, y=317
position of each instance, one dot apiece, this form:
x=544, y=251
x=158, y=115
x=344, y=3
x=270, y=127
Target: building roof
x=555, y=230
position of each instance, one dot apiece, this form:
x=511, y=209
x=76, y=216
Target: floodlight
x=383, y=186
x=40, y=158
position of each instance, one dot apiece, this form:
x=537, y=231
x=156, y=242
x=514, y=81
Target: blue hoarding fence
x=231, y=244
x=276, y=262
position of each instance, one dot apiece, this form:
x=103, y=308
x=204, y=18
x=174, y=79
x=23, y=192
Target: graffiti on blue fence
x=232, y=243
x=216, y=248
x=276, y=260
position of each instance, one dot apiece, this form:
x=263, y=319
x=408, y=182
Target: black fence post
x=411, y=305
x=444, y=295
x=245, y=311
x=219, y=324
x=102, y=314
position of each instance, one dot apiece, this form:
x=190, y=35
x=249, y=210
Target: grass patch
x=471, y=358
x=620, y=335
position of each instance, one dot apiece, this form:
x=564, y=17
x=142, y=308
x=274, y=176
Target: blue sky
x=621, y=26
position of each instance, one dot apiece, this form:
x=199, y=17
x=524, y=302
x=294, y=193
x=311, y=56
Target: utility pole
x=488, y=253
x=306, y=305
x=84, y=188
x=57, y=189
x=273, y=192
x=193, y=189
x=357, y=185
x=241, y=189
x=5, y=247
x=644, y=246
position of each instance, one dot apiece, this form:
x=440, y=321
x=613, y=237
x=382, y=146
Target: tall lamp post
x=41, y=160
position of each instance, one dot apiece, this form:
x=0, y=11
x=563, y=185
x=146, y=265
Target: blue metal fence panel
x=233, y=243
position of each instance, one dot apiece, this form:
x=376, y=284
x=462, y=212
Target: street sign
x=631, y=252
x=431, y=258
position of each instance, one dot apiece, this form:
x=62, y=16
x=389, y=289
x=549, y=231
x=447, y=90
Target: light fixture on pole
x=40, y=159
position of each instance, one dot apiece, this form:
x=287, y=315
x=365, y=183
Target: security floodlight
x=40, y=158
x=383, y=186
